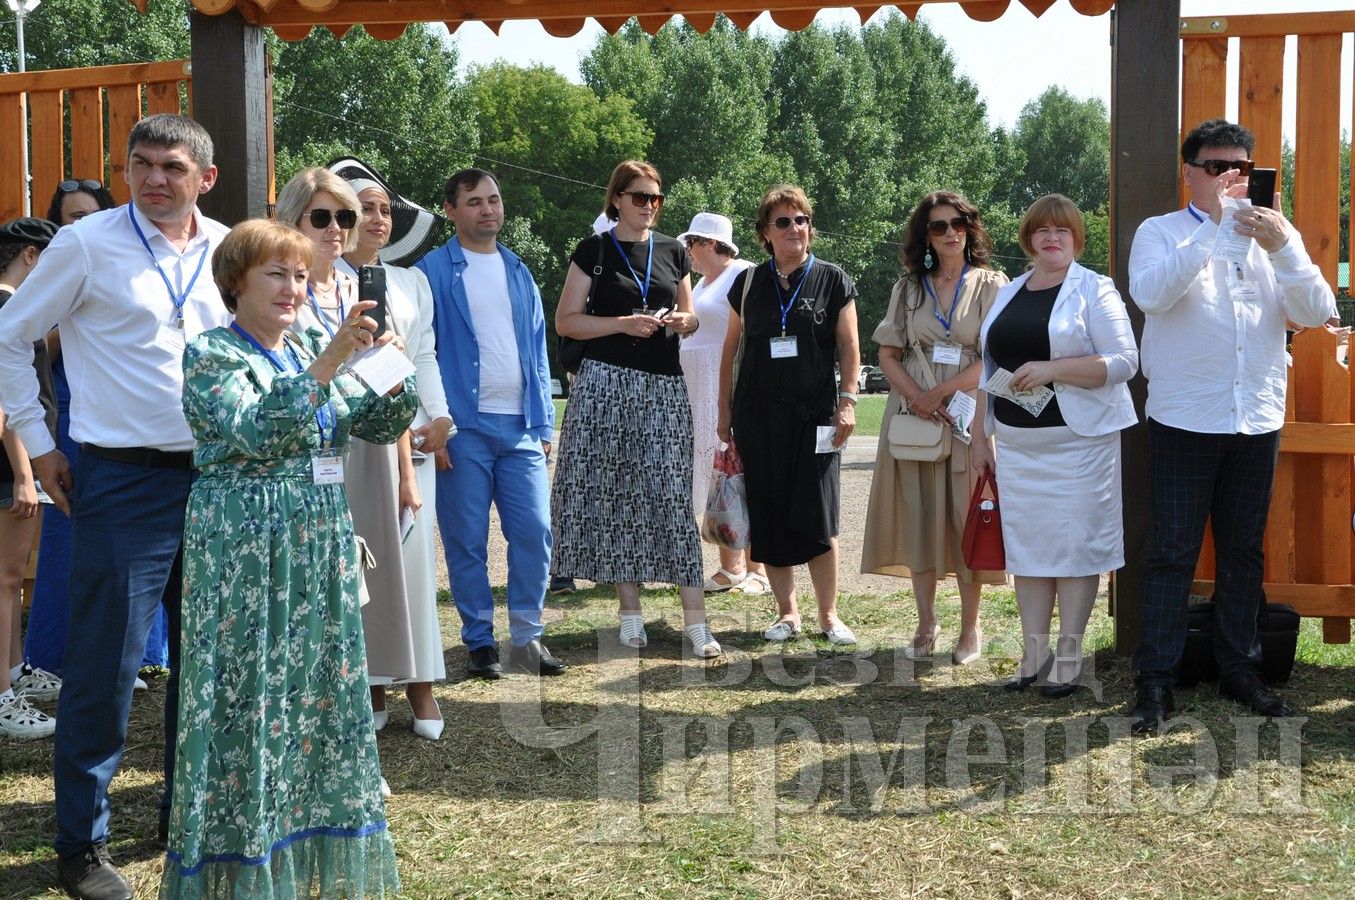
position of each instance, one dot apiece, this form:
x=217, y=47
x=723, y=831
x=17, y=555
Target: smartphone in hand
x=1261, y=187
x=372, y=286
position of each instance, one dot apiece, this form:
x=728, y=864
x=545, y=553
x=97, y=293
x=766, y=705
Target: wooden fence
x=1310, y=536
x=78, y=121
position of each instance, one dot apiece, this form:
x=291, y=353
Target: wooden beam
x=94, y=76
x=230, y=100
x=1318, y=437
x=1261, y=95
x=1267, y=25
x=1317, y=600
x=1144, y=174
x=1317, y=151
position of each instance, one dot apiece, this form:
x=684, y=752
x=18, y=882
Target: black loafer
x=1153, y=704
x=484, y=663
x=1019, y=683
x=91, y=875
x=1056, y=690
x=534, y=659
x=1248, y=689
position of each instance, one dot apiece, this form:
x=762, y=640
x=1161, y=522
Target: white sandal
x=702, y=640
x=20, y=720
x=714, y=587
x=633, y=630
x=755, y=583
x=782, y=630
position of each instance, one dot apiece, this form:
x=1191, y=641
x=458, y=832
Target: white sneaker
x=18, y=719
x=37, y=684
x=840, y=634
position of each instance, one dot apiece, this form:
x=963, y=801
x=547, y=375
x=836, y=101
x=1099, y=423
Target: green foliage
x=1066, y=146
x=64, y=34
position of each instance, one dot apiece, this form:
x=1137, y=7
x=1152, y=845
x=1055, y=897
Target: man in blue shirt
x=491, y=340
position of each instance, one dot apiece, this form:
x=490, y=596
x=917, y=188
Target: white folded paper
x=824, y=439
x=1230, y=244
x=381, y=368
x=961, y=409
x=1032, y=401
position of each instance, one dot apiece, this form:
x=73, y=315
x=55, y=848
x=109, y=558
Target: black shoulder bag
x=569, y=351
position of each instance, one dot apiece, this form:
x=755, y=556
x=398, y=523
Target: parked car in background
x=861, y=379
x=876, y=383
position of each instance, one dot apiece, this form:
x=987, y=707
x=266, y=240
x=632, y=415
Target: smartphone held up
x=372, y=286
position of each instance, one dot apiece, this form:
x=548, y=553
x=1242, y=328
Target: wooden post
x=1144, y=174
x=230, y=100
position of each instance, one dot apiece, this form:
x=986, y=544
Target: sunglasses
x=1216, y=167
x=640, y=198
x=83, y=184
x=941, y=226
x=320, y=218
x=784, y=222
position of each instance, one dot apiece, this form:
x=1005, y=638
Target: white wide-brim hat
x=713, y=226
x=414, y=230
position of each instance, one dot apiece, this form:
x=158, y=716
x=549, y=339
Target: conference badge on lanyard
x=946, y=353
x=785, y=347
x=327, y=469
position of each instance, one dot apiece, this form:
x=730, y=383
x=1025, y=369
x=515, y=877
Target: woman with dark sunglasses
x=621, y=503
x=792, y=318
x=929, y=351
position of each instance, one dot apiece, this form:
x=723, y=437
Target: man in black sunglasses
x=1213, y=353
x=129, y=288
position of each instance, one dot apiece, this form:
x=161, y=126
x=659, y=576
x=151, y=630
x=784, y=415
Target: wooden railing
x=78, y=121
x=1310, y=536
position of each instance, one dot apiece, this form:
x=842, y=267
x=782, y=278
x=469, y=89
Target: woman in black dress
x=800, y=319
x=621, y=503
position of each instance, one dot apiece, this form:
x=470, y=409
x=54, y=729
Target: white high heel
x=428, y=729
x=633, y=632
x=380, y=718
x=914, y=650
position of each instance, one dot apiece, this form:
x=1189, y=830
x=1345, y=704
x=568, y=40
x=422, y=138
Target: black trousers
x=1193, y=476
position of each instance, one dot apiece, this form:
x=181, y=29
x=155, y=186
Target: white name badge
x=946, y=352
x=327, y=469
x=170, y=335
x=785, y=347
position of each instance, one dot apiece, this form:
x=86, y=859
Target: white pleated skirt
x=1060, y=501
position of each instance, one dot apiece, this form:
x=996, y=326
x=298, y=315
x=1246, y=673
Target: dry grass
x=701, y=797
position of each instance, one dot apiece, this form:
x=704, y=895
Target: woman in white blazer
x=1062, y=327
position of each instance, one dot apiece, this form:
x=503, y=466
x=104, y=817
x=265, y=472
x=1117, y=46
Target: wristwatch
x=846, y=395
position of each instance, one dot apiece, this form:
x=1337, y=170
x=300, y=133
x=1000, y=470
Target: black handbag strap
x=593, y=285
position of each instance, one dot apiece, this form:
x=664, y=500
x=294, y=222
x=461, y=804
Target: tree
x=395, y=104
x=64, y=34
x=1066, y=145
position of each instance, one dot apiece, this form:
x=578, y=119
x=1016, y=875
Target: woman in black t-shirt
x=793, y=317
x=621, y=502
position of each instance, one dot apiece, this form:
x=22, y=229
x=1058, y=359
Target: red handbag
x=982, y=542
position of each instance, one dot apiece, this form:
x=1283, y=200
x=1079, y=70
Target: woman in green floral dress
x=277, y=791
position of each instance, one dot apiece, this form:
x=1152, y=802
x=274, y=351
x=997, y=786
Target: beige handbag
x=913, y=437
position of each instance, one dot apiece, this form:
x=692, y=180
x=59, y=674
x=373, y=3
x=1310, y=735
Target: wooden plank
x=1260, y=93
x=12, y=175
x=47, y=146
x=1268, y=25
x=1318, y=437
x=1278, y=543
x=162, y=98
x=1317, y=600
x=94, y=76
x=1317, y=148
x=87, y=133
x=1144, y=182
x=1204, y=82
x=124, y=111
x=1336, y=631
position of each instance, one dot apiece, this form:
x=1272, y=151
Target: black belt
x=142, y=456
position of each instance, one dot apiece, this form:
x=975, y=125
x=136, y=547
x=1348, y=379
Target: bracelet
x=846, y=395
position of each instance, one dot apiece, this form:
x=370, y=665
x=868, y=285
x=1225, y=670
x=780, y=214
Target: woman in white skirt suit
x=1062, y=327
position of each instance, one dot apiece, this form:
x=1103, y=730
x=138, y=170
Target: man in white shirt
x=1214, y=356
x=491, y=344
x=128, y=286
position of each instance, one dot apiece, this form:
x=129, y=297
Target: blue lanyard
x=1190, y=208
x=324, y=322
x=177, y=299
x=936, y=303
x=649, y=267
x=325, y=415
x=776, y=283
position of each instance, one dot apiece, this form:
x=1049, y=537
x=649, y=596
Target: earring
x=927, y=261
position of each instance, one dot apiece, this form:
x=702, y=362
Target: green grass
x=789, y=772
x=870, y=409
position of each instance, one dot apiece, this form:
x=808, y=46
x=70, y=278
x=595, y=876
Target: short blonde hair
x=624, y=173
x=298, y=193
x=790, y=194
x=1056, y=210
x=255, y=242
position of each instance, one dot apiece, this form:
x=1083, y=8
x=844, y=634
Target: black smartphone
x=372, y=286
x=1261, y=187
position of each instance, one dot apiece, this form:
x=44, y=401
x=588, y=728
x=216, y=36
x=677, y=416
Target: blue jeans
x=126, y=565
x=496, y=461
x=1191, y=477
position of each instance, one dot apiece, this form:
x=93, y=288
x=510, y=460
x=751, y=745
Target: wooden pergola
x=230, y=98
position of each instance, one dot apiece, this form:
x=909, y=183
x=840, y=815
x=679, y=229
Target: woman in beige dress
x=917, y=509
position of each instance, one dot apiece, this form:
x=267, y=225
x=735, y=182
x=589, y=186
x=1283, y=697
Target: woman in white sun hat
x=710, y=244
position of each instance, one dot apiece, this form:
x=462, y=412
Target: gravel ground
x=858, y=465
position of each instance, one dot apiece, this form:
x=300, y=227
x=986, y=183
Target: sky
x=1007, y=78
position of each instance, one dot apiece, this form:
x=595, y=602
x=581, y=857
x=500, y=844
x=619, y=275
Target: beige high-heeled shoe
x=914, y=650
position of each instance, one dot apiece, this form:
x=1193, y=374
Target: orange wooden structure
x=101, y=104
x=1310, y=537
